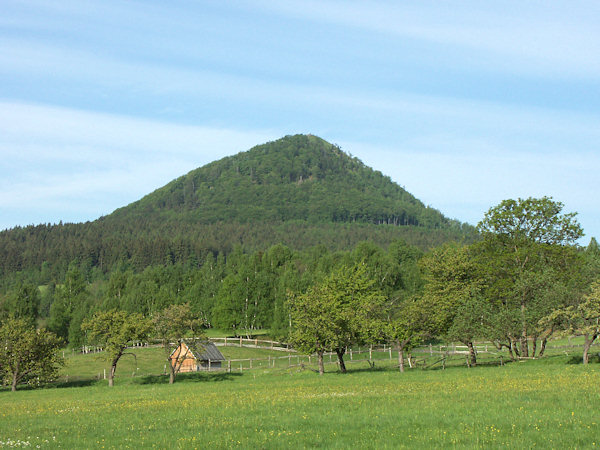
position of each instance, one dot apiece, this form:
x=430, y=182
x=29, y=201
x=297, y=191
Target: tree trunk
x=588, y=341
x=543, y=347
x=340, y=354
x=13, y=386
x=171, y=373
x=524, y=346
x=514, y=349
x=472, y=354
x=401, y=358
x=111, y=374
x=321, y=364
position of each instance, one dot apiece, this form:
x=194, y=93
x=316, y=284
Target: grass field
x=549, y=403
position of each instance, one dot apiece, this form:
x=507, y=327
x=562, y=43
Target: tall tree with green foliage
x=581, y=319
x=113, y=331
x=452, y=296
x=527, y=245
x=406, y=327
x=24, y=302
x=345, y=309
x=26, y=354
x=311, y=331
x=68, y=297
x=173, y=326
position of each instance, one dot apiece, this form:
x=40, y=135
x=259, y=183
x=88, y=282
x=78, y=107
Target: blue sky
x=462, y=103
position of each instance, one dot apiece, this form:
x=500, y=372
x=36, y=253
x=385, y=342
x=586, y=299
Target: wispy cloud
x=550, y=40
x=64, y=159
x=466, y=184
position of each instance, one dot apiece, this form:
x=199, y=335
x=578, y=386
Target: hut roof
x=204, y=350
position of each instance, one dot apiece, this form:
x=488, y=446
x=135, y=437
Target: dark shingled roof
x=203, y=351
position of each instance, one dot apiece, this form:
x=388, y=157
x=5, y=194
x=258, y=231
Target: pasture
x=550, y=403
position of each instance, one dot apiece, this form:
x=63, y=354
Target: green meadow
x=547, y=403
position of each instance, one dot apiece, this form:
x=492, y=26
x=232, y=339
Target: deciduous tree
x=527, y=244
x=452, y=297
x=173, y=326
x=345, y=309
x=114, y=330
x=26, y=354
x=582, y=319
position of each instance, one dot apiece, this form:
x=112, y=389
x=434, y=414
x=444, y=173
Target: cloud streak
x=62, y=159
x=558, y=40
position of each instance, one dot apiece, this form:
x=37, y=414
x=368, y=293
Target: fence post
x=350, y=354
x=209, y=365
x=371, y=353
x=430, y=349
x=390, y=349
x=251, y=363
x=228, y=365
x=225, y=341
x=240, y=341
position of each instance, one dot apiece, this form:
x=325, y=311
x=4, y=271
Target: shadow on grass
x=364, y=370
x=54, y=385
x=75, y=383
x=194, y=377
x=578, y=359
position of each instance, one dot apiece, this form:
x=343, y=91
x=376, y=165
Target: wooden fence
x=251, y=343
x=362, y=354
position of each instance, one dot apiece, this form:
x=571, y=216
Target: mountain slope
x=299, y=190
x=294, y=178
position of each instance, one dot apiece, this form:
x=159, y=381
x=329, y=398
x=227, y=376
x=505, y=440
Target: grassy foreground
x=519, y=405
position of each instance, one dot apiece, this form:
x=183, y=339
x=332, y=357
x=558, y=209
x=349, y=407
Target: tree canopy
x=114, y=330
x=27, y=355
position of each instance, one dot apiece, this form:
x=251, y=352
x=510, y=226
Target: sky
x=464, y=104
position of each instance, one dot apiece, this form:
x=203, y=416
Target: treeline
x=524, y=282
x=43, y=253
x=241, y=291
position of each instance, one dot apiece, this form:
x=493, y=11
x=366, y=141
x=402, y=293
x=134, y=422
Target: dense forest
x=242, y=292
x=299, y=191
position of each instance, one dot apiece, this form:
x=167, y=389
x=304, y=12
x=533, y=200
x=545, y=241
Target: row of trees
x=242, y=292
x=524, y=281
x=31, y=356
x=115, y=330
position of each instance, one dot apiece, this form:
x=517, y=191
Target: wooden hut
x=196, y=355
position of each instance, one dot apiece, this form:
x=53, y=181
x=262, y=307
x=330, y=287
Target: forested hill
x=299, y=190
x=294, y=178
